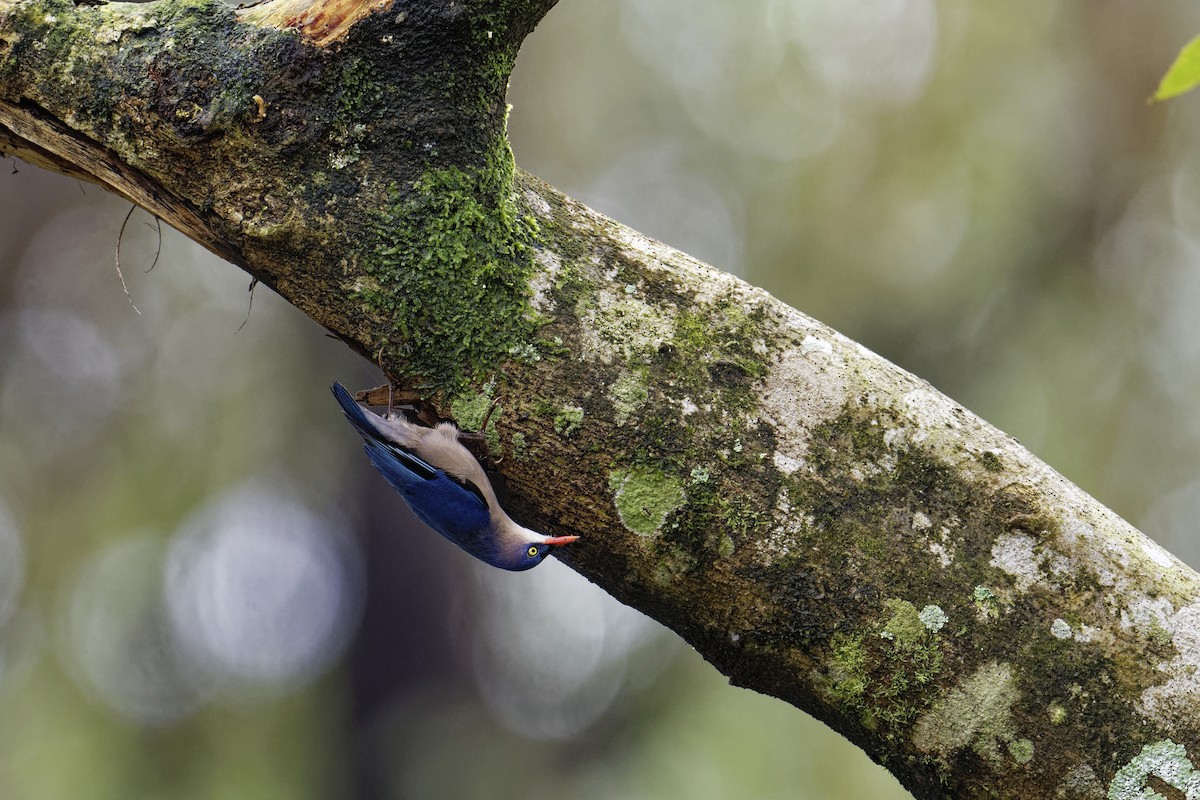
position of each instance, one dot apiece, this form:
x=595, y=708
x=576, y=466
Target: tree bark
x=821, y=525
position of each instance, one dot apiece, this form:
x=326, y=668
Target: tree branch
x=821, y=525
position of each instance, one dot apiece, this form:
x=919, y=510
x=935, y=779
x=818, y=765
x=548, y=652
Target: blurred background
x=206, y=593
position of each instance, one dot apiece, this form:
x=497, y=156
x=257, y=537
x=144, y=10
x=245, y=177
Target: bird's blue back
x=441, y=502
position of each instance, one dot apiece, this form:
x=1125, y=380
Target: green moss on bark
x=449, y=274
x=882, y=675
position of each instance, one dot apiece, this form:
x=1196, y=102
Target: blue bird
x=446, y=487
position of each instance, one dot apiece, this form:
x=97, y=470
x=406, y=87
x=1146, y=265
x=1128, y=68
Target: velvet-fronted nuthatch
x=446, y=487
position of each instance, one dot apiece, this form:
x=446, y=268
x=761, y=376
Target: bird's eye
x=532, y=551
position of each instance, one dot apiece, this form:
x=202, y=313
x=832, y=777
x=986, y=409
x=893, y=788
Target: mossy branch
x=821, y=525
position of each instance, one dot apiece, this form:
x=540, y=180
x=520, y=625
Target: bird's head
x=518, y=555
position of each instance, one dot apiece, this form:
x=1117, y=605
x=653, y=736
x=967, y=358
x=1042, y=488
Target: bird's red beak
x=559, y=540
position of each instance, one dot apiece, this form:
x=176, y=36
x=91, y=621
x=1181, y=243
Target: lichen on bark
x=822, y=526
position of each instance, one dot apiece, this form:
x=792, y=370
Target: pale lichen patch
x=987, y=605
x=1014, y=554
x=933, y=617
x=1181, y=690
x=785, y=463
x=1167, y=761
x=976, y=714
x=471, y=409
x=542, y=282
x=1061, y=629
x=628, y=394
x=943, y=555
x=1081, y=783
x=1144, y=613
x=794, y=375
x=538, y=204
x=1083, y=538
x=520, y=448
x=644, y=497
x=1028, y=562
x=725, y=547
x=1087, y=634
x=776, y=544
x=625, y=328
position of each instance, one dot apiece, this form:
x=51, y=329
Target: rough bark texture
x=821, y=525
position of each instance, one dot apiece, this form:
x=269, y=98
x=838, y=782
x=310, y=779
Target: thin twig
x=253, y=283
x=158, y=248
x=488, y=416
x=121, y=275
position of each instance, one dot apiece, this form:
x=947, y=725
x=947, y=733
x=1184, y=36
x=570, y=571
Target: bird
x=446, y=487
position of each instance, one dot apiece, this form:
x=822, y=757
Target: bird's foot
x=476, y=441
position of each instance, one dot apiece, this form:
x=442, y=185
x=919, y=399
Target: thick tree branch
x=821, y=525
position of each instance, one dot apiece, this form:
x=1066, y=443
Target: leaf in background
x=1184, y=74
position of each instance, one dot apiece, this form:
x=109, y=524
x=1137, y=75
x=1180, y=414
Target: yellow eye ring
x=532, y=551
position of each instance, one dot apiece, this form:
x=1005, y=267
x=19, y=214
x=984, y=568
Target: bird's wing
x=395, y=448
x=442, y=447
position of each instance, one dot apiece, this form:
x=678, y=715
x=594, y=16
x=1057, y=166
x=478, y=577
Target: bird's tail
x=355, y=413
x=385, y=443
